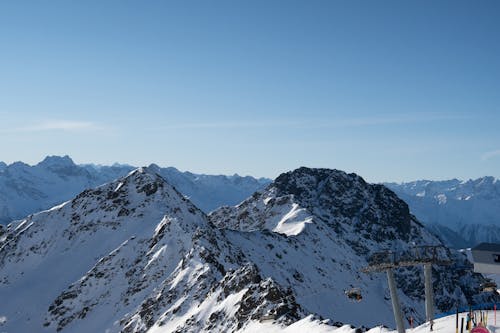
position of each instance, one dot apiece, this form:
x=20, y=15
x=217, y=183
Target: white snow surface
x=310, y=324
x=286, y=218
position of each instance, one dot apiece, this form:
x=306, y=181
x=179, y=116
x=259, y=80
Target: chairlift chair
x=488, y=286
x=267, y=318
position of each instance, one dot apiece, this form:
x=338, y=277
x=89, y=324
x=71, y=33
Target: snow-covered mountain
x=26, y=189
x=334, y=222
x=135, y=255
x=123, y=257
x=209, y=192
x=463, y=213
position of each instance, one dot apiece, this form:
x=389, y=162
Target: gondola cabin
x=488, y=286
x=486, y=258
x=354, y=294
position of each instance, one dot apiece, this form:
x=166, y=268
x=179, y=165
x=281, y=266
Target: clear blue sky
x=392, y=90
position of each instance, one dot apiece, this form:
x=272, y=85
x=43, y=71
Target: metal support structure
x=426, y=256
x=429, y=293
x=398, y=316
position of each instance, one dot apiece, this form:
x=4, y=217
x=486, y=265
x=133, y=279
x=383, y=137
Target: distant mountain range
x=26, y=189
x=134, y=255
x=462, y=213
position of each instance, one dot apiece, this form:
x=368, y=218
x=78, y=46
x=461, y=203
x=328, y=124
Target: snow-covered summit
x=331, y=196
x=134, y=253
x=325, y=224
x=336, y=194
x=44, y=253
x=104, y=217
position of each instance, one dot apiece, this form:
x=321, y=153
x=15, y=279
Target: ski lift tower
x=388, y=260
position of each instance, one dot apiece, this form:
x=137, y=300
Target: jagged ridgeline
x=135, y=255
x=26, y=189
x=462, y=213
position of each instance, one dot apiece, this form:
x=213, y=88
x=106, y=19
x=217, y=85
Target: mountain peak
x=146, y=174
x=310, y=177
x=308, y=194
x=144, y=179
x=486, y=180
x=134, y=218
x=57, y=161
x=310, y=185
x=154, y=168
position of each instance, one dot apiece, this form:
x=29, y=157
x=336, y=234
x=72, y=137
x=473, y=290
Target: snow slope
x=442, y=325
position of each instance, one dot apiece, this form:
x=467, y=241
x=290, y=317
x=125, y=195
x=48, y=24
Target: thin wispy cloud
x=392, y=119
x=323, y=123
x=231, y=125
x=56, y=125
x=490, y=154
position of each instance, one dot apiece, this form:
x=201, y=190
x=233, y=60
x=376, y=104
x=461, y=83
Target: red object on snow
x=479, y=329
